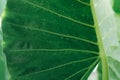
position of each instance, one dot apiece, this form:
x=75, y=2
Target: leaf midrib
x=100, y=44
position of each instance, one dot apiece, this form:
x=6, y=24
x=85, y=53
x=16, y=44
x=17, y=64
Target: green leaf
x=52, y=39
x=117, y=18
x=3, y=68
x=113, y=51
x=116, y=6
x=114, y=59
x=114, y=63
x=114, y=71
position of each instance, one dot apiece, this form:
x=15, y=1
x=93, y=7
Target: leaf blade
x=68, y=31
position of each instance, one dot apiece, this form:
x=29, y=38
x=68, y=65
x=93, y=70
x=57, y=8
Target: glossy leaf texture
x=49, y=39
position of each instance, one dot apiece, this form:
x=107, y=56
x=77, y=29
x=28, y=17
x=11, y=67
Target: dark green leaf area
x=46, y=63
x=42, y=39
x=116, y=6
x=49, y=40
x=71, y=8
x=85, y=1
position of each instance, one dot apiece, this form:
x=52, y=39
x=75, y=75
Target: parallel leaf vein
x=59, y=66
x=90, y=67
x=58, y=14
x=68, y=78
x=54, y=33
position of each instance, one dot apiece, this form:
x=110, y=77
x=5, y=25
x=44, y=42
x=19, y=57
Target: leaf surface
x=49, y=39
x=111, y=39
x=113, y=52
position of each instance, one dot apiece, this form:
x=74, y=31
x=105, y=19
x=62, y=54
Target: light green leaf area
x=116, y=9
x=3, y=67
x=114, y=69
x=114, y=63
x=114, y=56
x=2, y=5
x=117, y=18
x=49, y=39
x=113, y=51
x=107, y=23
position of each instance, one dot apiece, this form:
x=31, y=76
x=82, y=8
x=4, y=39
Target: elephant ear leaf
x=49, y=39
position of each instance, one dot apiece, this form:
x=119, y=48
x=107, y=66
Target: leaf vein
x=90, y=67
x=76, y=73
x=84, y=3
x=74, y=50
x=59, y=66
x=54, y=33
x=60, y=15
